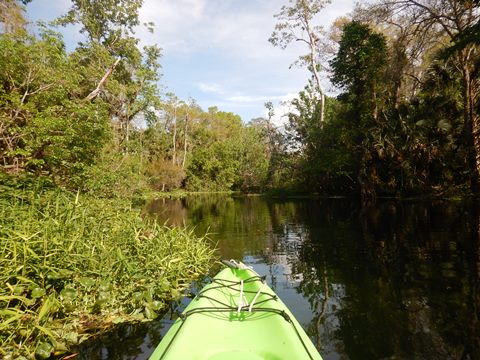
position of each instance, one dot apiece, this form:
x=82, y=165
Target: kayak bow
x=236, y=317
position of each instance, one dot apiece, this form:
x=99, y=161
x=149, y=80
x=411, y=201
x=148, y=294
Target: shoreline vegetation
x=454, y=195
x=74, y=265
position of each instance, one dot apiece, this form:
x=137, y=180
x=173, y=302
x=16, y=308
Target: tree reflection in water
x=398, y=280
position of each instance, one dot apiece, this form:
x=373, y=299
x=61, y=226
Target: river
x=398, y=280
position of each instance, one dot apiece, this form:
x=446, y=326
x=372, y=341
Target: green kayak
x=236, y=317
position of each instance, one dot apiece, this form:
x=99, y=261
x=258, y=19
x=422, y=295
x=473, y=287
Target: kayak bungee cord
x=240, y=300
x=241, y=307
x=256, y=296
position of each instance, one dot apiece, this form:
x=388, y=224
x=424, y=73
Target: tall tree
x=108, y=25
x=171, y=106
x=112, y=53
x=359, y=69
x=296, y=23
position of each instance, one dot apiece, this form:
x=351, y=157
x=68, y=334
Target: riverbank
x=450, y=195
x=74, y=265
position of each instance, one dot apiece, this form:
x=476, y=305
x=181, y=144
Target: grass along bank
x=72, y=266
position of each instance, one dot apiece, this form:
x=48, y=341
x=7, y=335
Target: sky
x=217, y=51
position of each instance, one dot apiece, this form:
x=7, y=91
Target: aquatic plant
x=72, y=266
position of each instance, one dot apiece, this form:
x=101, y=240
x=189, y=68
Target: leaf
x=103, y=298
x=137, y=296
x=157, y=305
x=71, y=337
x=150, y=313
x=13, y=318
x=44, y=350
x=60, y=274
x=86, y=282
x=165, y=285
x=18, y=290
x=105, y=286
x=46, y=331
x=26, y=301
x=49, y=306
x=68, y=294
x=444, y=125
x=38, y=292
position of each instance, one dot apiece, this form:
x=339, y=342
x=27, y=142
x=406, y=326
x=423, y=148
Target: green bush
x=165, y=176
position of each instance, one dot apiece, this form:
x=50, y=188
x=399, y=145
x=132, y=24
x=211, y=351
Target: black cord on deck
x=227, y=308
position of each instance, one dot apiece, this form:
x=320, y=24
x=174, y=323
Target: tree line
x=405, y=121
x=95, y=118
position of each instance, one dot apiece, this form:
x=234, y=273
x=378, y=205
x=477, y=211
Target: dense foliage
x=39, y=98
x=407, y=120
x=72, y=266
x=94, y=119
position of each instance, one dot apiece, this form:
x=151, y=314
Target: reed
x=72, y=266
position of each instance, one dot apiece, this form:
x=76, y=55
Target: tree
x=254, y=156
x=46, y=127
x=220, y=157
x=170, y=107
x=222, y=153
x=132, y=73
x=104, y=21
x=134, y=92
x=451, y=20
x=359, y=69
x=296, y=24
x=274, y=144
x=11, y=16
x=108, y=26
x=323, y=162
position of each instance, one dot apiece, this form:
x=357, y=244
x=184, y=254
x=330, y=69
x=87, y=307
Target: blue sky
x=217, y=51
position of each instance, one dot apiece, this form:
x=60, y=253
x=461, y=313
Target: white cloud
x=224, y=50
x=239, y=28
x=281, y=109
x=250, y=98
x=211, y=88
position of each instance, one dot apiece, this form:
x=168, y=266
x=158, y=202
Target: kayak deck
x=236, y=317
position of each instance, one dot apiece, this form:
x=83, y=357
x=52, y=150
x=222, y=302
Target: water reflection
x=395, y=281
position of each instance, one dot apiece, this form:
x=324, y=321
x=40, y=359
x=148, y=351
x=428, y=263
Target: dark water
x=400, y=280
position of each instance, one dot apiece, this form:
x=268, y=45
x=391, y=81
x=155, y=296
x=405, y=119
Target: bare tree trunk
x=322, y=103
x=313, y=65
x=375, y=106
x=97, y=90
x=185, y=142
x=174, y=134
